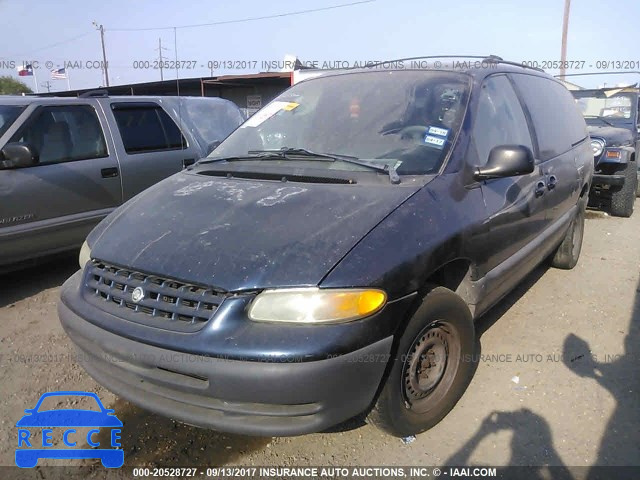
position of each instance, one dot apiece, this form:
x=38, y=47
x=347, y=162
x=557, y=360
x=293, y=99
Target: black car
x=612, y=119
x=330, y=257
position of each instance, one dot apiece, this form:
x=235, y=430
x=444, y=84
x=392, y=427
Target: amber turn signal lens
x=370, y=301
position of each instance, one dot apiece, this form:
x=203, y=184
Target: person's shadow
x=620, y=444
x=531, y=445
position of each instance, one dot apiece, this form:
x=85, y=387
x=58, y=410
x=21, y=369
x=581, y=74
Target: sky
x=60, y=33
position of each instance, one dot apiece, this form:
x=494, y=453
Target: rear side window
x=557, y=120
x=63, y=133
x=147, y=128
x=499, y=118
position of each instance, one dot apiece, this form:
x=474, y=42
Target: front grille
x=165, y=300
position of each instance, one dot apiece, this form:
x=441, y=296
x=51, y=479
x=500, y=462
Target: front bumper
x=269, y=398
x=611, y=180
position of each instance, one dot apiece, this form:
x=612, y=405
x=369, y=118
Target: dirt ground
x=557, y=383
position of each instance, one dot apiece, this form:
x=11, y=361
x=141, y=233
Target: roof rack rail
x=626, y=72
x=487, y=58
x=94, y=94
x=515, y=64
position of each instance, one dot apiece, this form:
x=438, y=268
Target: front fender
x=439, y=224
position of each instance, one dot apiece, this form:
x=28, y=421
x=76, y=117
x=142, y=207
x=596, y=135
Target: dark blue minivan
x=330, y=257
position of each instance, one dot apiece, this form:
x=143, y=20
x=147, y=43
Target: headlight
x=85, y=254
x=314, y=305
x=597, y=146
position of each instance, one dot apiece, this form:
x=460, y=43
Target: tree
x=11, y=86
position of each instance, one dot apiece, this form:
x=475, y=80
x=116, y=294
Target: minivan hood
x=238, y=234
x=614, y=136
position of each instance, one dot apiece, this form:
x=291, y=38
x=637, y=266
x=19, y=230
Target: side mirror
x=506, y=161
x=17, y=154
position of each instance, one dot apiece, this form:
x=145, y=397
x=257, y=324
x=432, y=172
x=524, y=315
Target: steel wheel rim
x=430, y=366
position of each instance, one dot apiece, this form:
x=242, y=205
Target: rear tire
x=622, y=200
x=567, y=255
x=432, y=368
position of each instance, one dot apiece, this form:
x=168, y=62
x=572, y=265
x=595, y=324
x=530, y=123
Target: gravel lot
x=557, y=383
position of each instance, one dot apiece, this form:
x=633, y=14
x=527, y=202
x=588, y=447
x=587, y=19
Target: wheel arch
x=585, y=190
x=456, y=275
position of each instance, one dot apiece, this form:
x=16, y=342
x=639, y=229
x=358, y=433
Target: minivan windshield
x=8, y=115
x=405, y=120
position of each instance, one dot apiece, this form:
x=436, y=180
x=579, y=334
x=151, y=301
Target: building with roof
x=250, y=92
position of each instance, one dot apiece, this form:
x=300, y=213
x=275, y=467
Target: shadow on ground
x=618, y=374
x=531, y=444
x=151, y=440
x=48, y=273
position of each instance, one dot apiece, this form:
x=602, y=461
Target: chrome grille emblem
x=137, y=294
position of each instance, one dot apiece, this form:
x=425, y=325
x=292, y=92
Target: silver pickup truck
x=65, y=163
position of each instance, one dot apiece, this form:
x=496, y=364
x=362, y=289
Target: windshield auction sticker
x=442, y=132
x=268, y=112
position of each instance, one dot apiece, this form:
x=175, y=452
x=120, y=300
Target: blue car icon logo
x=66, y=421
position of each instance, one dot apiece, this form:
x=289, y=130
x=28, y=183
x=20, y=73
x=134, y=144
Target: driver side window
x=63, y=133
x=499, y=119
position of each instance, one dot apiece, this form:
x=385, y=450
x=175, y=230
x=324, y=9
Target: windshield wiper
x=281, y=154
x=601, y=119
x=286, y=153
x=387, y=168
x=234, y=158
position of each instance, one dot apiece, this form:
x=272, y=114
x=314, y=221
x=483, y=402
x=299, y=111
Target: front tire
x=432, y=368
x=623, y=199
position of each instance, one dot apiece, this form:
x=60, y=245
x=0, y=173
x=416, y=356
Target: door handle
x=109, y=172
x=540, y=188
x=188, y=161
x=552, y=182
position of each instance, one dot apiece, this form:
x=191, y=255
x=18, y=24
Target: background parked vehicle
x=331, y=256
x=65, y=163
x=612, y=118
